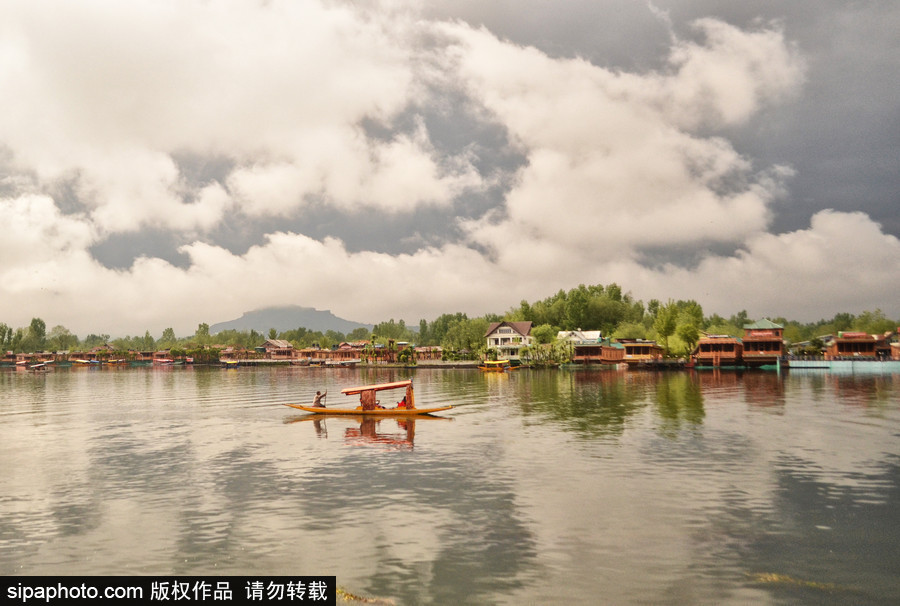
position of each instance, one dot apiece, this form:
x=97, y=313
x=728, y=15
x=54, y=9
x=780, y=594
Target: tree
x=6, y=335
x=38, y=329
x=335, y=337
x=690, y=319
x=874, y=323
x=148, y=343
x=739, y=319
x=665, y=323
x=577, y=313
x=630, y=330
x=202, y=335
x=359, y=334
x=393, y=330
x=35, y=338
x=61, y=339
x=91, y=341
x=842, y=321
x=168, y=339
x=544, y=334
x=466, y=334
x=273, y=334
x=689, y=333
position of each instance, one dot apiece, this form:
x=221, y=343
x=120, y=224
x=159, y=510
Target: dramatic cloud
x=275, y=144
x=606, y=157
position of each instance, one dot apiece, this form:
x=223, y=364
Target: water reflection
x=537, y=487
x=392, y=432
x=602, y=402
x=590, y=402
x=830, y=543
x=679, y=402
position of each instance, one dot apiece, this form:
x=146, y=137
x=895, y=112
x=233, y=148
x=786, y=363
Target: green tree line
x=677, y=325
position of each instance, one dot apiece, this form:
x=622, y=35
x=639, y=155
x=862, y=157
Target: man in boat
x=319, y=401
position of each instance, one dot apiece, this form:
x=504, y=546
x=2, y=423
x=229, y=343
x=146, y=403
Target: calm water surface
x=539, y=487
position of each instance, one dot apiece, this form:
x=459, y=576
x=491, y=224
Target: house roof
x=279, y=343
x=523, y=328
x=579, y=335
x=764, y=324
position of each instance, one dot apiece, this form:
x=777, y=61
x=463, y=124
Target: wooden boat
x=495, y=366
x=370, y=405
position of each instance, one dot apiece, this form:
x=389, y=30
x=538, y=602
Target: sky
x=166, y=163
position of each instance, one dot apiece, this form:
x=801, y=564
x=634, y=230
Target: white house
x=579, y=336
x=508, y=337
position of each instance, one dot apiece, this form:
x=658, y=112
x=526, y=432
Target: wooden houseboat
x=639, y=352
x=718, y=350
x=603, y=351
x=763, y=344
x=851, y=346
x=277, y=349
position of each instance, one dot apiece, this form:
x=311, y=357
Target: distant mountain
x=288, y=318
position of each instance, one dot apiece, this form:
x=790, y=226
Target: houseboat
x=640, y=352
x=854, y=346
x=718, y=350
x=603, y=351
x=763, y=344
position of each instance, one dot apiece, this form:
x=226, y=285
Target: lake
x=538, y=487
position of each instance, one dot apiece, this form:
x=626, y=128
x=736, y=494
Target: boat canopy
x=395, y=385
x=367, y=399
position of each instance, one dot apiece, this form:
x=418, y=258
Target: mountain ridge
x=288, y=317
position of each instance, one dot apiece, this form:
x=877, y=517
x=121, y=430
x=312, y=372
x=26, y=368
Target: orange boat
x=370, y=405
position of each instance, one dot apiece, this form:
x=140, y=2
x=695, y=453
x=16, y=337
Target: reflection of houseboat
x=639, y=352
x=718, y=350
x=763, y=343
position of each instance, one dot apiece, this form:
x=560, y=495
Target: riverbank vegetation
x=676, y=325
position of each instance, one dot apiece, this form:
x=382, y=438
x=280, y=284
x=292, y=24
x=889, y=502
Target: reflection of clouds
x=817, y=533
x=569, y=484
x=468, y=505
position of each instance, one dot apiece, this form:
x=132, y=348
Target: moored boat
x=717, y=350
x=496, y=366
x=763, y=344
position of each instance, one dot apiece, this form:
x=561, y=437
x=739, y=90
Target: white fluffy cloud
x=110, y=92
x=726, y=79
x=106, y=96
x=608, y=161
